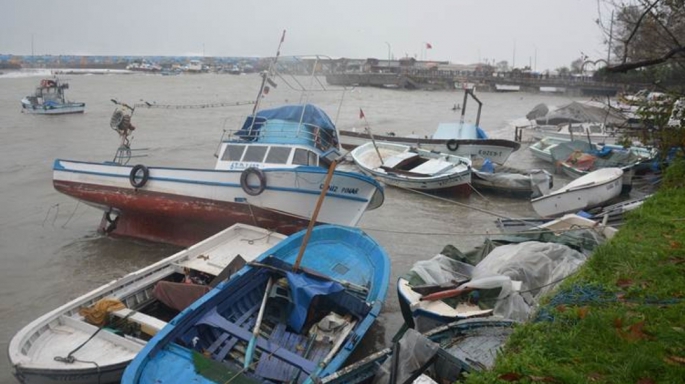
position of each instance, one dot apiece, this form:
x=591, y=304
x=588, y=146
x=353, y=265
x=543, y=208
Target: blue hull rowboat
x=312, y=321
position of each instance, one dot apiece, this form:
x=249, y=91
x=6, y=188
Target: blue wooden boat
x=312, y=321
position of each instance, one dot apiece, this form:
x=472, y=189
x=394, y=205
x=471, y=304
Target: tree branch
x=634, y=31
x=625, y=67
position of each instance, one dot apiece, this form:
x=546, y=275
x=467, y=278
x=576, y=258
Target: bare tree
x=648, y=33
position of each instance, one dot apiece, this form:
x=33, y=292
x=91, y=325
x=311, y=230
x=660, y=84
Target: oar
x=255, y=333
x=445, y=294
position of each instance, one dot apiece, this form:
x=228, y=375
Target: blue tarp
x=293, y=113
x=302, y=290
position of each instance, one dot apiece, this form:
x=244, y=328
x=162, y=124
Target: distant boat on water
x=49, y=99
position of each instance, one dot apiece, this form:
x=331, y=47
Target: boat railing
x=286, y=132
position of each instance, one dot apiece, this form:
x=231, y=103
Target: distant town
x=407, y=72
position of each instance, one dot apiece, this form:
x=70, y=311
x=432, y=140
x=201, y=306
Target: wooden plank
x=148, y=324
x=267, y=346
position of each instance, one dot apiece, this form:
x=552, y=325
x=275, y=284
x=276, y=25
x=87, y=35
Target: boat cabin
x=285, y=137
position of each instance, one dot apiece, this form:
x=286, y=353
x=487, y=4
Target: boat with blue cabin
x=268, y=173
x=49, y=99
x=287, y=317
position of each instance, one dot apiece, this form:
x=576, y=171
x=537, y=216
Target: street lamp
x=389, y=51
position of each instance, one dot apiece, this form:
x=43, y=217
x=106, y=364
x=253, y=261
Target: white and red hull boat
x=270, y=175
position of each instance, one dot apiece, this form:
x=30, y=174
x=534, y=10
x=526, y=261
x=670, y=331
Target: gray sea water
x=51, y=253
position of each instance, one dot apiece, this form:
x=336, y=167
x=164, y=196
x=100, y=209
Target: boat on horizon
x=68, y=345
x=294, y=315
x=50, y=99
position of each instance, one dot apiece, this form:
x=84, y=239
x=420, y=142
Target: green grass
x=635, y=333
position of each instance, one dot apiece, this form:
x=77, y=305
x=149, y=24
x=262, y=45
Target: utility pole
x=513, y=61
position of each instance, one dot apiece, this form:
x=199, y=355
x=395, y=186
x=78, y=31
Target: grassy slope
x=635, y=331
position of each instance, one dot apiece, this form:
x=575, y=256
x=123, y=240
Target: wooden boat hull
x=497, y=150
x=454, y=173
x=335, y=253
x=183, y=206
x=33, y=349
x=588, y=191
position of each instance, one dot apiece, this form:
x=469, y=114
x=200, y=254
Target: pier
x=440, y=79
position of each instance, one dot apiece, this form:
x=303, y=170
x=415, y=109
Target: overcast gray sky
x=546, y=33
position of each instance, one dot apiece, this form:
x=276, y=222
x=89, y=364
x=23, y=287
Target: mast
x=265, y=79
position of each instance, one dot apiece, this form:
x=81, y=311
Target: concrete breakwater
x=447, y=80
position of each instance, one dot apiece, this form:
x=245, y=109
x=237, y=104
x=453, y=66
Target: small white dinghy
x=414, y=168
x=62, y=346
x=591, y=190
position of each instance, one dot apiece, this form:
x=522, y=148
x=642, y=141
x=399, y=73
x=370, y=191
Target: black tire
x=452, y=145
x=250, y=190
x=136, y=180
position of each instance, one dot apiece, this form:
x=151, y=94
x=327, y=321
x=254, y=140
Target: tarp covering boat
x=312, y=115
x=580, y=112
x=303, y=289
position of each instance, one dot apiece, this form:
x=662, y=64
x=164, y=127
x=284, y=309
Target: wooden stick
x=373, y=140
x=312, y=220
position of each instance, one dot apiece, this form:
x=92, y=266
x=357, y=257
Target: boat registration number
x=485, y=153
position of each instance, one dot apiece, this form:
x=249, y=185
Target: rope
x=471, y=207
x=566, y=231
x=587, y=294
x=70, y=359
x=192, y=106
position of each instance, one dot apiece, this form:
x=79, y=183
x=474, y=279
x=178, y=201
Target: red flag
x=429, y=46
x=361, y=113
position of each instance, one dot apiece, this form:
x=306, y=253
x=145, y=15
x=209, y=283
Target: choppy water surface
x=49, y=248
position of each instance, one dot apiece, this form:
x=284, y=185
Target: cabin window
x=576, y=129
x=300, y=157
x=278, y=155
x=595, y=129
x=255, y=153
x=313, y=158
x=233, y=152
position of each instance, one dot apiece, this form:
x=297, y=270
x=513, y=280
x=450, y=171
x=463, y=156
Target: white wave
x=26, y=73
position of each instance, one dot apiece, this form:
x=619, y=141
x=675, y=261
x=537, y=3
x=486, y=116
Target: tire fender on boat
x=136, y=180
x=452, y=145
x=250, y=190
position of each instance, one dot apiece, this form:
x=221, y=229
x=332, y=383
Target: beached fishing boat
x=78, y=344
x=509, y=181
x=49, y=99
x=269, y=173
x=444, y=354
x=552, y=150
x=406, y=167
x=490, y=279
x=594, y=189
x=458, y=138
x=276, y=320
x=594, y=132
